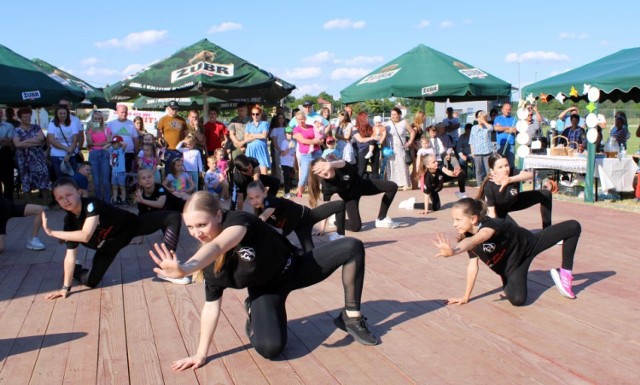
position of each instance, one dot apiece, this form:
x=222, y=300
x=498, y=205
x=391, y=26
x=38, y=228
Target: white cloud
x=467, y=21
x=423, y=24
x=538, y=56
x=319, y=58
x=572, y=35
x=224, y=27
x=303, y=73
x=90, y=61
x=348, y=73
x=100, y=72
x=134, y=40
x=360, y=60
x=308, y=89
x=132, y=69
x=344, y=24
x=446, y=24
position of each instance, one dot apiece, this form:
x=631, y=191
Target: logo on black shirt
x=247, y=254
x=513, y=192
x=346, y=178
x=488, y=247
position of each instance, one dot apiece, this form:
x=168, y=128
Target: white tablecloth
x=613, y=173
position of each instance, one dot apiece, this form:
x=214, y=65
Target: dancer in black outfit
x=507, y=249
x=340, y=177
x=500, y=189
x=289, y=216
x=240, y=251
x=245, y=171
x=103, y=228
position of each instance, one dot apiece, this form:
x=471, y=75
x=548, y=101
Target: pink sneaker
x=563, y=282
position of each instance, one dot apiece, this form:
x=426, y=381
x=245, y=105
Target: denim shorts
x=118, y=178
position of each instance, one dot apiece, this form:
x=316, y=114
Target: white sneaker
x=460, y=195
x=178, y=281
x=331, y=221
x=287, y=196
x=35, y=244
x=407, y=204
x=335, y=237
x=386, y=223
x=369, y=155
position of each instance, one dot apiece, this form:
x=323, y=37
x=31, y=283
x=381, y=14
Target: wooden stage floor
x=130, y=329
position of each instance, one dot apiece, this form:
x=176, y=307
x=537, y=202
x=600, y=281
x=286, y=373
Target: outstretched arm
x=472, y=274
x=208, y=323
x=69, y=267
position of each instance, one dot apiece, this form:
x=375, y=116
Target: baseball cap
x=330, y=140
x=377, y=119
x=288, y=130
x=173, y=105
x=116, y=139
x=307, y=104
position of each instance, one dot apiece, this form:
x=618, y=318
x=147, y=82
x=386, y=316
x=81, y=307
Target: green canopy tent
x=425, y=73
x=22, y=83
x=93, y=96
x=202, y=70
x=617, y=76
x=192, y=103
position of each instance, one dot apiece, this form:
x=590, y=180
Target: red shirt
x=214, y=133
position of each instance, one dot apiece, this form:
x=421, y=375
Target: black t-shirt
x=114, y=223
x=346, y=183
x=241, y=181
x=287, y=214
x=172, y=202
x=506, y=249
x=501, y=200
x=259, y=259
x=433, y=182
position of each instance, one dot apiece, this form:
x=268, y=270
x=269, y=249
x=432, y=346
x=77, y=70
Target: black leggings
x=287, y=173
x=515, y=284
x=370, y=187
x=169, y=222
x=461, y=178
x=374, y=160
x=311, y=217
x=529, y=198
x=268, y=312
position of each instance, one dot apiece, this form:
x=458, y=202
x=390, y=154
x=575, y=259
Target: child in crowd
x=151, y=196
x=147, y=160
x=379, y=135
x=81, y=176
x=318, y=131
x=192, y=159
x=222, y=163
x=436, y=143
x=178, y=182
x=331, y=153
x=215, y=181
x=118, y=170
x=284, y=145
x=425, y=149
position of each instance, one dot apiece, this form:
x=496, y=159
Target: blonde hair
x=205, y=202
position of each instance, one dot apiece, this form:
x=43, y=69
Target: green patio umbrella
x=23, y=83
x=147, y=103
x=202, y=70
x=617, y=76
x=425, y=73
x=93, y=95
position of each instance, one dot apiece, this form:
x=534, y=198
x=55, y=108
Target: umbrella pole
x=205, y=108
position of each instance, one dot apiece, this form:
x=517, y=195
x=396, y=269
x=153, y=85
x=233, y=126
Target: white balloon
x=592, y=120
x=522, y=138
x=522, y=126
x=523, y=151
x=594, y=94
x=592, y=135
x=522, y=113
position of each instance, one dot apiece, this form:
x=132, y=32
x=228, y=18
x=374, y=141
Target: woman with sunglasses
x=255, y=135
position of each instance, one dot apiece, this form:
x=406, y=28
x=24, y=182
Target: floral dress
x=32, y=164
x=397, y=170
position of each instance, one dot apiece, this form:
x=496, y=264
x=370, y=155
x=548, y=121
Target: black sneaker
x=247, y=326
x=357, y=327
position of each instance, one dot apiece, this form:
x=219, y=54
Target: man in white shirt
x=127, y=130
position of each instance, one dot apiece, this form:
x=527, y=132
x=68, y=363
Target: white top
x=280, y=137
x=125, y=129
x=192, y=160
x=60, y=134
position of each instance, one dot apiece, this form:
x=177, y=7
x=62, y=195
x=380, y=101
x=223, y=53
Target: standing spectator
x=445, y=138
x=436, y=143
x=277, y=135
x=310, y=115
x=325, y=112
x=255, y=135
x=368, y=150
x=117, y=158
x=196, y=129
x=63, y=139
x=138, y=123
x=192, y=159
x=398, y=129
x=575, y=134
x=620, y=130
x=215, y=132
x=418, y=126
x=7, y=158
x=565, y=116
x=77, y=124
x=533, y=121
x=125, y=128
x=98, y=139
x=306, y=141
x=463, y=150
x=237, y=128
x=28, y=140
x=172, y=129
x=10, y=118
x=481, y=147
x=342, y=133
x=505, y=125
x=451, y=125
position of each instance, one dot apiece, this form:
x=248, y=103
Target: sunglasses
x=254, y=114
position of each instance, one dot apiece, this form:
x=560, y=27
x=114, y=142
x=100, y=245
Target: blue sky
x=321, y=45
